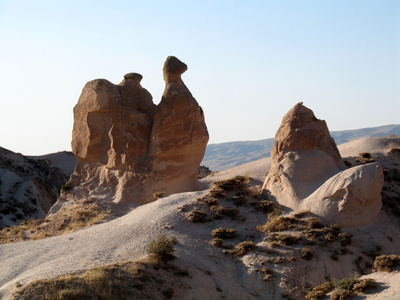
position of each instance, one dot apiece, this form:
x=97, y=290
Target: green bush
x=162, y=248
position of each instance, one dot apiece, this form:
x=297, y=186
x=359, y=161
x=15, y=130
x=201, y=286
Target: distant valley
x=222, y=156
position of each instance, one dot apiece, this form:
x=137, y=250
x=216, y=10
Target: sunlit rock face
x=307, y=173
x=128, y=148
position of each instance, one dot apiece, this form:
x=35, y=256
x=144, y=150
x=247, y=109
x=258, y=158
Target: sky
x=248, y=62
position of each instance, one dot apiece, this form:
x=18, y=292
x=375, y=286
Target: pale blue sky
x=249, y=62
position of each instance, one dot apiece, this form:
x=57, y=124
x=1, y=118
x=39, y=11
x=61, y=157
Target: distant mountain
x=222, y=156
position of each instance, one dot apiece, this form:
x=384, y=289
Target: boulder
x=128, y=148
x=308, y=173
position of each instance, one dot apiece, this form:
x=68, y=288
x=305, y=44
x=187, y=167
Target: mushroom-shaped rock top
x=173, y=69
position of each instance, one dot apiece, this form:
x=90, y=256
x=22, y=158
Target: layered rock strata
x=307, y=173
x=128, y=148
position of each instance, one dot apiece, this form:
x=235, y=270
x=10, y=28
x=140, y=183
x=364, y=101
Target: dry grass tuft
x=365, y=284
x=158, y=195
x=224, y=233
x=268, y=273
x=236, y=183
x=131, y=280
x=386, y=263
x=267, y=206
x=217, y=193
x=197, y=216
x=243, y=247
x=217, y=242
x=68, y=219
x=365, y=158
x=221, y=211
x=284, y=239
x=279, y=224
x=306, y=254
x=341, y=295
x=320, y=291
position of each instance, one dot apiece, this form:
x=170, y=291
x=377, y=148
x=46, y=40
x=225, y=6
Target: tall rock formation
x=307, y=173
x=128, y=148
x=179, y=136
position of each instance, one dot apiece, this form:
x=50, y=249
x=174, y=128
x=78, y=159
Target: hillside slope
x=28, y=187
x=214, y=274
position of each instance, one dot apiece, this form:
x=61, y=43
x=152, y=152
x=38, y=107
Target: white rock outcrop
x=307, y=173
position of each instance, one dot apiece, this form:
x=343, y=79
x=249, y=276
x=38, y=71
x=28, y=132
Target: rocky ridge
x=28, y=187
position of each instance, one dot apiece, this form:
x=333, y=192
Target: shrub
x=197, y=216
x=236, y=183
x=288, y=239
x=307, y=254
x=220, y=211
x=243, y=247
x=239, y=200
x=268, y=273
x=326, y=287
x=279, y=224
x=267, y=206
x=386, y=263
x=320, y=291
x=211, y=201
x=162, y=248
x=217, y=242
x=217, y=193
x=346, y=284
x=345, y=238
x=365, y=158
x=66, y=187
x=312, y=223
x=365, y=284
x=365, y=154
x=158, y=195
x=224, y=233
x=341, y=295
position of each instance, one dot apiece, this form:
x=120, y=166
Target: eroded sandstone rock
x=307, y=173
x=128, y=148
x=179, y=135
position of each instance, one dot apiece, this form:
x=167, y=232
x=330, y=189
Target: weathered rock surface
x=307, y=173
x=128, y=148
x=179, y=136
x=28, y=187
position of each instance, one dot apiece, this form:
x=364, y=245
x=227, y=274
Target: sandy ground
x=126, y=238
